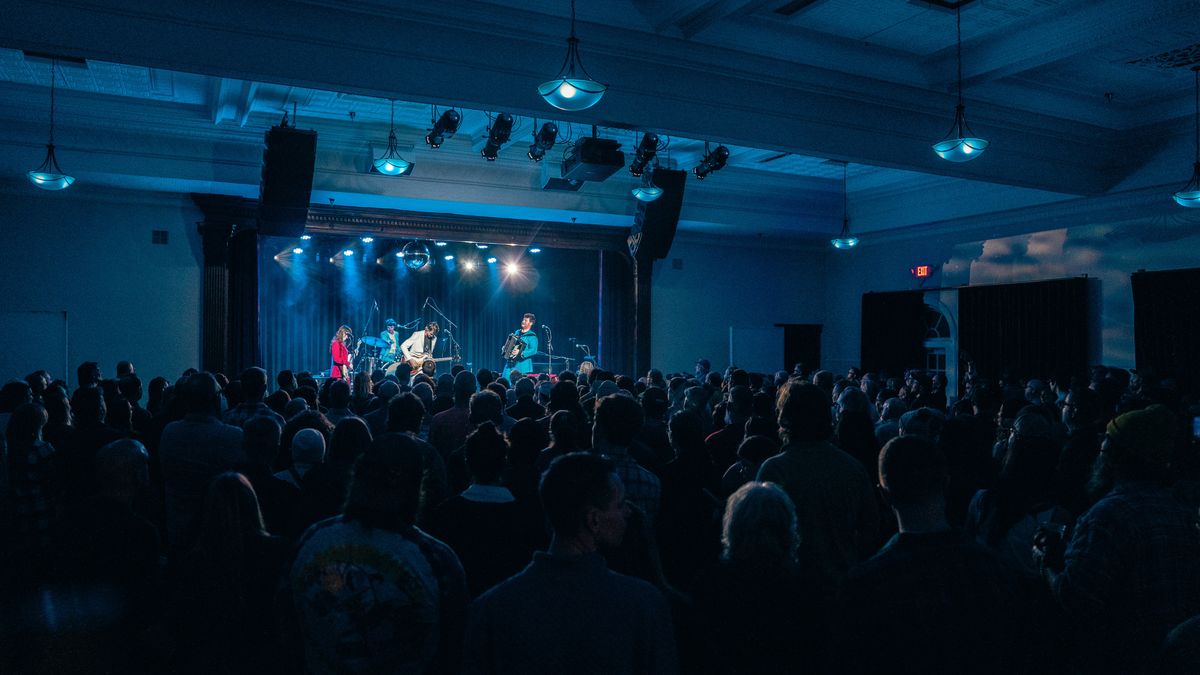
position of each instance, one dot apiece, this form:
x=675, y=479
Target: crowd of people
x=704, y=522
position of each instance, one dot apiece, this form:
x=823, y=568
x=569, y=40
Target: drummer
x=391, y=342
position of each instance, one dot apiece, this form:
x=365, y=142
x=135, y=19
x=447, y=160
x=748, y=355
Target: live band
x=388, y=350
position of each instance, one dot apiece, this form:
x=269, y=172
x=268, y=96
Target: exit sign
x=921, y=271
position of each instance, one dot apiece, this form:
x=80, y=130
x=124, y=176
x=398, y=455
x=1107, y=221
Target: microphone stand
x=549, y=350
x=455, y=348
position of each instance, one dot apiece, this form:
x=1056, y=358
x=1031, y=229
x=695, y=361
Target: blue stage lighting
x=348, y=252
x=491, y=261
x=535, y=250
x=297, y=250
x=367, y=240
x=448, y=257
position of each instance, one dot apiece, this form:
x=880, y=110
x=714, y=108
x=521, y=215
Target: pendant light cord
x=572, y=19
x=958, y=30
x=845, y=201
x=53, y=79
x=1196, y=73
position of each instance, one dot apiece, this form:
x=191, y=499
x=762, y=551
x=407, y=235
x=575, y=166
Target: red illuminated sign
x=921, y=271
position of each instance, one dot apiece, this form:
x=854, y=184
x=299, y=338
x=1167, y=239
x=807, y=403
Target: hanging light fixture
x=647, y=191
x=960, y=145
x=48, y=176
x=390, y=163
x=1189, y=196
x=844, y=240
x=570, y=90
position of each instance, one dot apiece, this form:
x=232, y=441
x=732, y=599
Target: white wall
x=87, y=251
x=750, y=286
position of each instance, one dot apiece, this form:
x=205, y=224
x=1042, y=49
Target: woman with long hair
x=758, y=613
x=339, y=351
x=224, y=608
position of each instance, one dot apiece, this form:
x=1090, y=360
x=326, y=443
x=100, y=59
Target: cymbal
x=374, y=342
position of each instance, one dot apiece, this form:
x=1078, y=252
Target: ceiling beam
x=677, y=87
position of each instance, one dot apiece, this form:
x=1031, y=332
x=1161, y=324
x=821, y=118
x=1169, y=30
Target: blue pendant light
x=48, y=176
x=960, y=145
x=390, y=163
x=647, y=191
x=844, y=240
x=1189, y=196
x=570, y=90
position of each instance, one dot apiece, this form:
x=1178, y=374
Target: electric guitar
x=424, y=363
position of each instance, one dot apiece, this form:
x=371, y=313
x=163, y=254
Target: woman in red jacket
x=341, y=354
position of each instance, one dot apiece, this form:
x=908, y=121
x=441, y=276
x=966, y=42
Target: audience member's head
x=351, y=437
x=804, y=413
x=130, y=387
x=525, y=440
x=1138, y=444
x=260, y=439
x=618, y=420
x=405, y=412
x=583, y=500
x=655, y=403
x=308, y=448
x=485, y=451
x=924, y=422
x=385, y=487
x=759, y=528
x=15, y=393
x=485, y=406
x=912, y=472
x=201, y=394
x=229, y=516
x=465, y=385
x=294, y=407
x=88, y=374
x=286, y=380
x=122, y=469
x=339, y=394
x=254, y=384
x=564, y=430
x=686, y=432
x=25, y=426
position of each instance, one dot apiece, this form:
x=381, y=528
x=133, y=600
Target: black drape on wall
x=893, y=331
x=1166, y=323
x=245, y=348
x=616, y=314
x=1027, y=330
x=305, y=298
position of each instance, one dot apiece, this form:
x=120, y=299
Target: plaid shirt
x=641, y=487
x=1130, y=573
x=243, y=412
x=33, y=489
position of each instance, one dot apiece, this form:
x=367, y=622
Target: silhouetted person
x=566, y=612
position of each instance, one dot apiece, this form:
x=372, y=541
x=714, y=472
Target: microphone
x=582, y=346
x=545, y=327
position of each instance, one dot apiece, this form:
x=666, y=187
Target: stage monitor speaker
x=289, y=159
x=654, y=222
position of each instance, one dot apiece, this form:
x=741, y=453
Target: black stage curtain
x=1166, y=323
x=616, y=314
x=245, y=347
x=893, y=331
x=305, y=298
x=1026, y=330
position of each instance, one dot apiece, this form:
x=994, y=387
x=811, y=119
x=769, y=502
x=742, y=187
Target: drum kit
x=369, y=354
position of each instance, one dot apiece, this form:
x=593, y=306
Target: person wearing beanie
x=308, y=450
x=1128, y=575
